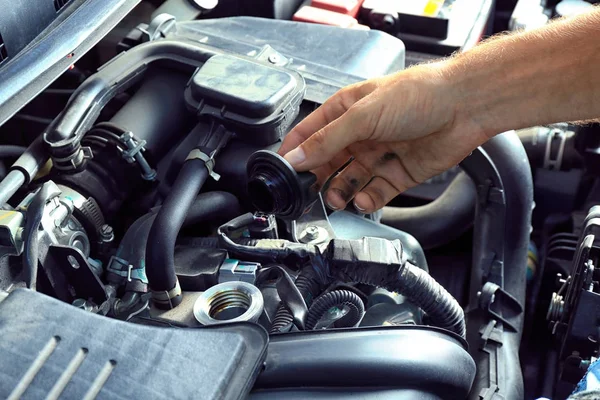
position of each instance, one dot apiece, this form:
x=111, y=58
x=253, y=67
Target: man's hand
x=405, y=128
x=398, y=131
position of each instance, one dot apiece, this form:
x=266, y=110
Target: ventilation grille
x=3, y=52
x=59, y=4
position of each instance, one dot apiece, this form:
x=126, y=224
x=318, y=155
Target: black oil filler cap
x=258, y=101
x=274, y=187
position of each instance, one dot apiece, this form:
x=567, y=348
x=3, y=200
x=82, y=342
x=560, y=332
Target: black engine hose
x=35, y=212
x=309, y=287
x=160, y=249
x=10, y=151
x=442, y=220
x=339, y=298
x=207, y=207
x=23, y=170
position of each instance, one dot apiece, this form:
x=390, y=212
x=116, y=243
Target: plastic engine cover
x=50, y=349
x=249, y=96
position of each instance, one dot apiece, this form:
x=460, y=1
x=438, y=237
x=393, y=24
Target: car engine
x=154, y=244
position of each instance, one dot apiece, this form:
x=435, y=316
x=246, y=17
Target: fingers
x=372, y=159
x=375, y=195
x=330, y=128
x=355, y=125
x=328, y=112
x=346, y=185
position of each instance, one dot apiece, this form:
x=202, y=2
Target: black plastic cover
x=328, y=57
x=404, y=362
x=249, y=95
x=50, y=348
x=197, y=268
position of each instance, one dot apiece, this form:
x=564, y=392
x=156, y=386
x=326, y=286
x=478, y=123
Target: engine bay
x=155, y=244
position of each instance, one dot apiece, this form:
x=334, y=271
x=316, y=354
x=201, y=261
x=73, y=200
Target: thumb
x=322, y=146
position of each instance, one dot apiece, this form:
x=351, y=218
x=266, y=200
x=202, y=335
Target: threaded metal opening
x=228, y=305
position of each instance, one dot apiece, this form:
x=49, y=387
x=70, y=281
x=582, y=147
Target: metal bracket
x=78, y=272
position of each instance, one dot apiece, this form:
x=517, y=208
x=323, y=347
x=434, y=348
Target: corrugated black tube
x=416, y=285
x=309, y=288
x=336, y=298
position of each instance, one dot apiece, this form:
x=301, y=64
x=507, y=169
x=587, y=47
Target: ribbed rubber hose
x=416, y=285
x=336, y=298
x=309, y=287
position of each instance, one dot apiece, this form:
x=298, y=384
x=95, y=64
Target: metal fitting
x=107, y=233
x=228, y=303
x=556, y=308
x=314, y=235
x=134, y=154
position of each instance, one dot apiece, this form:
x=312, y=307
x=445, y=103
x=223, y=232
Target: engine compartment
x=153, y=237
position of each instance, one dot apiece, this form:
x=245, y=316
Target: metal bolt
x=389, y=20
x=83, y=304
x=274, y=58
x=312, y=232
x=147, y=172
x=107, y=233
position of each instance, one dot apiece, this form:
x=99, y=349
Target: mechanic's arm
x=405, y=128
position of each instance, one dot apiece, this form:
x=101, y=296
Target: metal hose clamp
x=229, y=302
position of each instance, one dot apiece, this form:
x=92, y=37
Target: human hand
x=398, y=130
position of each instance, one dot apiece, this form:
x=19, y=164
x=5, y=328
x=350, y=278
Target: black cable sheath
x=336, y=298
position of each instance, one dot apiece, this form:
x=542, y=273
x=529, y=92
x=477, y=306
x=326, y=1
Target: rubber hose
x=336, y=298
x=207, y=206
x=10, y=151
x=160, y=249
x=10, y=184
x=309, y=288
x=35, y=212
x=23, y=170
x=442, y=220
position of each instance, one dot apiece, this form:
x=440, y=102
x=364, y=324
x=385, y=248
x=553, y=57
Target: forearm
x=540, y=77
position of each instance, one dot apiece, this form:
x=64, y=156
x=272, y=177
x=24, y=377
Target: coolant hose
x=160, y=249
x=336, y=298
x=207, y=207
x=442, y=220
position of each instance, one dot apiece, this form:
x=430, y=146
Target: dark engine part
x=226, y=129
x=440, y=221
x=276, y=188
x=396, y=362
x=259, y=103
x=573, y=305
